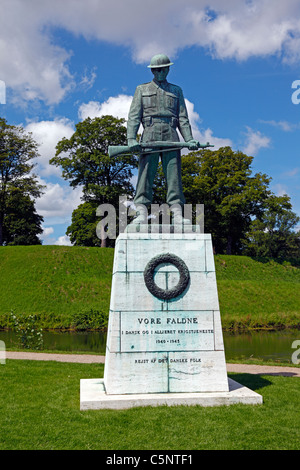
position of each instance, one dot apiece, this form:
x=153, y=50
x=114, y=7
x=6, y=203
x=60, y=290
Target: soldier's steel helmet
x=159, y=60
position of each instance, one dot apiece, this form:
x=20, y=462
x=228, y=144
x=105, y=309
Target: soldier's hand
x=193, y=144
x=134, y=145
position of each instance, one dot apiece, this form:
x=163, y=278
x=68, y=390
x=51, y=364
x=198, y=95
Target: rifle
x=151, y=147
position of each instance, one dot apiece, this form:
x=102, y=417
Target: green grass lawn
x=57, y=282
x=40, y=411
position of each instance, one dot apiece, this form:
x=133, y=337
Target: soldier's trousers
x=148, y=163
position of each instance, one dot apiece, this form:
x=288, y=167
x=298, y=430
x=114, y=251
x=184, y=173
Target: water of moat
x=265, y=345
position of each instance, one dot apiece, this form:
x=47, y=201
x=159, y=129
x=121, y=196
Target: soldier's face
x=160, y=73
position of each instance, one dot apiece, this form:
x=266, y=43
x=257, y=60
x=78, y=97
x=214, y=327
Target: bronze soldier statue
x=161, y=109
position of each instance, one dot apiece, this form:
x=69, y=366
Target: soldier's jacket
x=161, y=109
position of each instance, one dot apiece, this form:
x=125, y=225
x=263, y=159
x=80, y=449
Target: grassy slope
x=57, y=281
x=54, y=281
x=258, y=293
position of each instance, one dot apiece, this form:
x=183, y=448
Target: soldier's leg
x=175, y=199
x=146, y=173
x=171, y=162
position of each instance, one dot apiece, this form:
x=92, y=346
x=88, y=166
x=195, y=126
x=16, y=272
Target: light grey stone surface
x=165, y=372
x=145, y=331
x=200, y=295
x=162, y=346
x=93, y=397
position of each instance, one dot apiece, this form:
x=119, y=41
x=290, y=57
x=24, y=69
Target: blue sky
x=236, y=62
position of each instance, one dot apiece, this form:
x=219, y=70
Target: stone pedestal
x=164, y=333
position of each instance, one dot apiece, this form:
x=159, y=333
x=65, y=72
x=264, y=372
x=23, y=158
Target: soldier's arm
x=184, y=123
x=134, y=117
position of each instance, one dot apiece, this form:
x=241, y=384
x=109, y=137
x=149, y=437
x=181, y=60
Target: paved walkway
x=89, y=359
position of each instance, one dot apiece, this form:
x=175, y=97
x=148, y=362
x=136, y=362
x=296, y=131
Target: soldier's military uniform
x=160, y=107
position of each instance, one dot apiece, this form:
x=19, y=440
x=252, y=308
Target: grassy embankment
x=63, y=285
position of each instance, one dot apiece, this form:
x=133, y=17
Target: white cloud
x=47, y=231
x=279, y=189
x=291, y=173
x=204, y=135
x=2, y=92
x=57, y=203
x=37, y=67
x=30, y=62
x=47, y=134
x=207, y=136
x=45, y=236
x=63, y=240
x=255, y=140
x=117, y=106
x=283, y=125
x=194, y=117
x=87, y=80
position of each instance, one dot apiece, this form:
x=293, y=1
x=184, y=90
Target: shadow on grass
x=253, y=381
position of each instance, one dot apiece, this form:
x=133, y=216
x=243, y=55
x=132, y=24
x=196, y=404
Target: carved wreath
x=166, y=294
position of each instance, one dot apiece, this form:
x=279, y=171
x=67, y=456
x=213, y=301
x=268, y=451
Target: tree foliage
x=22, y=224
x=18, y=186
x=272, y=235
x=240, y=211
x=85, y=162
x=222, y=180
x=82, y=231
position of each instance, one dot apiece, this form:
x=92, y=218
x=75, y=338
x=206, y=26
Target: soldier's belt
x=149, y=120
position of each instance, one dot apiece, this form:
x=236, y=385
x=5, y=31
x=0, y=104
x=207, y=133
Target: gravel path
x=89, y=359
x=83, y=358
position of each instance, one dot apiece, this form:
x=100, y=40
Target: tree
x=17, y=184
x=85, y=162
x=82, y=231
x=272, y=234
x=222, y=181
x=21, y=225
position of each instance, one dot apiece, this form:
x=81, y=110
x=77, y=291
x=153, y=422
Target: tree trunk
x=229, y=245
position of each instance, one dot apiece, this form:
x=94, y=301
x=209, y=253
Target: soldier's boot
x=178, y=218
x=141, y=215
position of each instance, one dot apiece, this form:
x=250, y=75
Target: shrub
x=29, y=335
x=89, y=320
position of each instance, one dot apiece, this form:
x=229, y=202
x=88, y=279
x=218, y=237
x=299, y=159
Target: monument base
x=164, y=341
x=164, y=332
x=94, y=397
